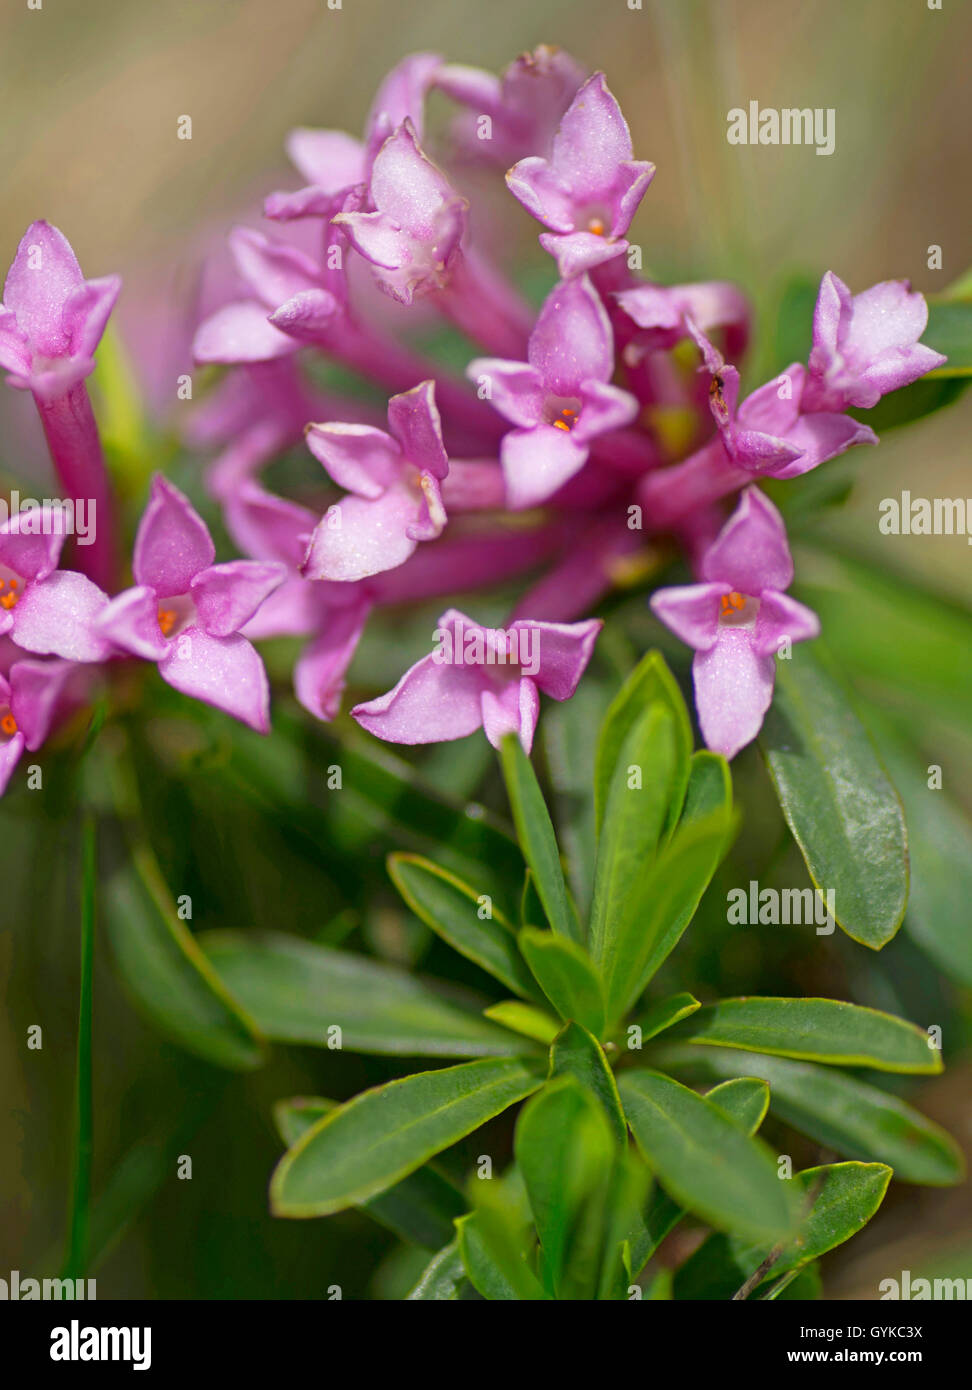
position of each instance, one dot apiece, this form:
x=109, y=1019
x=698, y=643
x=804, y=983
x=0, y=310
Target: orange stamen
x=8, y=724
x=733, y=601
x=167, y=620
x=596, y=226
x=8, y=600
x=558, y=425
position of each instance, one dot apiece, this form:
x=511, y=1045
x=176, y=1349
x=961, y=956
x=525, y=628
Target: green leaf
x=816, y=1030
x=842, y=809
x=451, y=908
x=651, y=681
x=950, y=331
x=569, y=749
x=577, y=1052
x=744, y=1101
x=566, y=975
x=703, y=1159
x=564, y=1149
x=495, y=1256
x=709, y=787
x=298, y=989
x=524, y=1018
x=444, y=1278
x=384, y=1134
x=536, y=836
x=940, y=846
x=664, y=1013
x=168, y=975
x=848, y=1115
x=633, y=817
x=914, y=402
x=660, y=908
x=422, y=1208
x=531, y=908
x=843, y=1198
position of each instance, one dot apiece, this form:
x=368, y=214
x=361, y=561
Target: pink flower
x=413, y=236
x=32, y=695
x=186, y=612
x=46, y=610
x=560, y=399
x=866, y=345
x=481, y=677
x=737, y=621
x=589, y=189
x=52, y=318
x=394, y=479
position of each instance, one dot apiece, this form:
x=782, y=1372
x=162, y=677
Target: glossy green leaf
x=704, y=1160
x=815, y=1030
x=523, y=1018
x=422, y=1208
x=577, y=1052
x=495, y=1258
x=837, y=798
x=745, y=1099
x=950, y=331
x=842, y=1198
x=634, y=817
x=564, y=1149
x=384, y=1134
x=443, y=1279
x=651, y=681
x=660, y=908
x=297, y=990
x=453, y=910
x=531, y=908
x=536, y=835
x=570, y=751
x=853, y=1118
x=664, y=1013
x=566, y=975
x=169, y=976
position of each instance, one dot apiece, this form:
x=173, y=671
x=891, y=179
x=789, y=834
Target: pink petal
x=691, y=611
x=516, y=390
x=266, y=526
x=131, y=621
x=414, y=421
x=782, y=617
x=31, y=556
x=513, y=708
x=227, y=596
x=226, y=672
x=35, y=690
x=240, y=333
x=37, y=293
x=10, y=751
x=819, y=437
x=359, y=537
x=310, y=316
x=564, y=651
x=401, y=96
x=733, y=690
x=330, y=159
x=273, y=271
x=433, y=702
x=172, y=543
x=57, y=618
x=603, y=408
x=572, y=341
x=359, y=458
x=320, y=670
x=544, y=194
x=537, y=462
x=751, y=552
x=579, y=252
x=292, y=610
x=86, y=313
x=407, y=187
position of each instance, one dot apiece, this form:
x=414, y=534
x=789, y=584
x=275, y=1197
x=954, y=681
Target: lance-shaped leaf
x=536, y=835
x=444, y=1278
x=639, y=795
x=839, y=1199
x=566, y=975
x=662, y=1014
x=650, y=681
x=422, y=1208
x=838, y=801
x=453, y=910
x=704, y=1160
x=577, y=1052
x=815, y=1030
x=298, y=990
x=848, y=1115
x=170, y=978
x=382, y=1135
x=532, y=1022
x=565, y=1151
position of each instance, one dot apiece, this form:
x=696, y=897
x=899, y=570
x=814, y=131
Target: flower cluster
x=551, y=461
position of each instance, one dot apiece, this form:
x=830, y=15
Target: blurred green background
x=91, y=95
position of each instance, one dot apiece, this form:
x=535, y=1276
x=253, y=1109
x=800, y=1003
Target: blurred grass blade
x=837, y=799
x=76, y=1259
x=848, y=1115
x=452, y=909
x=383, y=1134
x=815, y=1030
x=297, y=990
x=704, y=1160
x=536, y=835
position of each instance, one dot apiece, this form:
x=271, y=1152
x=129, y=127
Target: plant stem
x=75, y=445
x=76, y=1257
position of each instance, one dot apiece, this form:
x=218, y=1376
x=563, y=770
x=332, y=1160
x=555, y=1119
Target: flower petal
x=563, y=651
x=226, y=672
x=43, y=275
x=413, y=418
x=321, y=668
x=513, y=708
x=358, y=537
x=227, y=596
x=434, y=702
x=572, y=341
x=537, y=462
x=240, y=333
x=515, y=389
x=57, y=618
x=733, y=690
x=31, y=542
x=172, y=543
x=691, y=611
x=781, y=617
x=751, y=552
x=131, y=621
x=359, y=458
x=35, y=690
